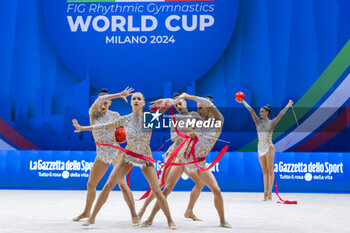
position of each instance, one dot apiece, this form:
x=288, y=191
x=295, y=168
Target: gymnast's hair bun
x=176, y=95
x=209, y=97
x=103, y=92
x=267, y=108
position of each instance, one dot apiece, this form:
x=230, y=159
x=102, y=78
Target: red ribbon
x=287, y=202
x=165, y=165
x=129, y=175
x=192, y=151
x=142, y=157
x=216, y=160
x=178, y=148
x=172, y=156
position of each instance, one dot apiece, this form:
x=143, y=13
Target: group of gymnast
x=103, y=123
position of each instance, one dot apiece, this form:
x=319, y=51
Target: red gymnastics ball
x=239, y=96
x=120, y=135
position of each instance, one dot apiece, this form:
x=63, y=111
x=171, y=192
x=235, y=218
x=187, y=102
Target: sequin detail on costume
x=265, y=130
x=105, y=154
x=177, y=140
x=137, y=138
x=207, y=138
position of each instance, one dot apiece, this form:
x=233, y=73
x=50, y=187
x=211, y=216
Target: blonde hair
x=143, y=97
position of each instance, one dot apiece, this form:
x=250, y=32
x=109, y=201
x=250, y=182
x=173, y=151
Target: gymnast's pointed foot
x=225, y=224
x=265, y=196
x=190, y=215
x=269, y=196
x=147, y=223
x=172, y=225
x=89, y=222
x=135, y=221
x=81, y=216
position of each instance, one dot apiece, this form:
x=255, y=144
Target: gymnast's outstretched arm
x=98, y=102
x=111, y=125
x=251, y=110
x=281, y=114
x=206, y=102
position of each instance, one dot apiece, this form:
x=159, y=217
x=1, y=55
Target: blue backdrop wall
x=271, y=50
x=278, y=50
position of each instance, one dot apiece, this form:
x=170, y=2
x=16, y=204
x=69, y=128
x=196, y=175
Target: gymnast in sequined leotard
x=183, y=115
x=138, y=140
x=99, y=114
x=206, y=140
x=266, y=149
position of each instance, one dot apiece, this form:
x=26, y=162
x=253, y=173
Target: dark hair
x=176, y=95
x=267, y=108
x=209, y=97
x=103, y=92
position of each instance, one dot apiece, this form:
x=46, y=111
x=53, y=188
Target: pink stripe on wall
x=10, y=134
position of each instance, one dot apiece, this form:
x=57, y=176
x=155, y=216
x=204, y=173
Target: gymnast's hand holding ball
x=120, y=135
x=239, y=97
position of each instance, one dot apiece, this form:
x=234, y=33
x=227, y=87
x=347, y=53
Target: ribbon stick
x=295, y=116
x=220, y=140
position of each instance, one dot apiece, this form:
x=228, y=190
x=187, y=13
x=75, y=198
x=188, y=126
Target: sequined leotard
x=265, y=129
x=175, y=138
x=105, y=154
x=137, y=137
x=207, y=138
